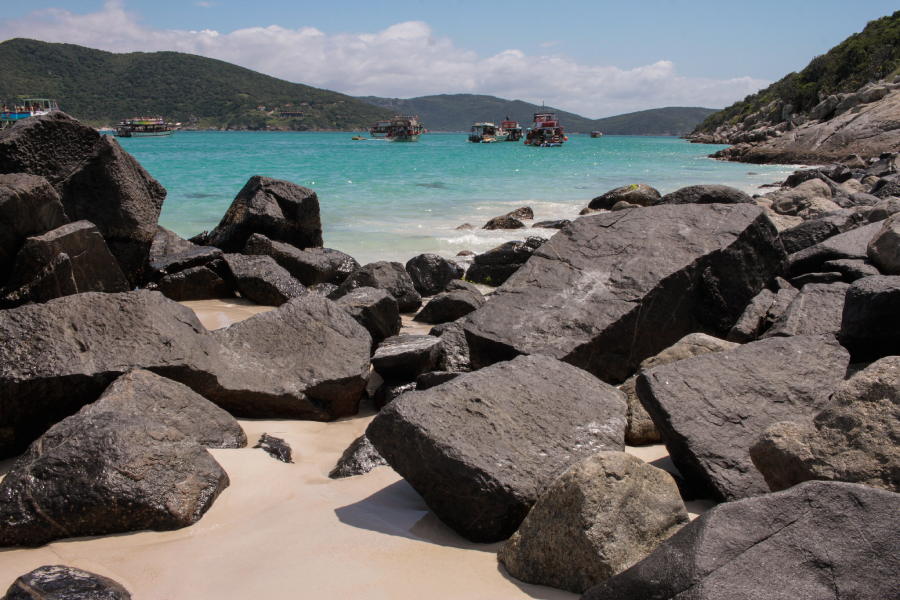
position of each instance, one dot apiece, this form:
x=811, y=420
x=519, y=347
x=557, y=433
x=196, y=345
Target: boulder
x=170, y=254
x=275, y=447
x=621, y=205
x=28, y=206
x=388, y=276
x=603, y=515
x=195, y=283
x=325, y=289
x=495, y=266
x=613, y=289
x=280, y=210
x=851, y=269
x=504, y=222
x=837, y=172
x=430, y=273
x=825, y=109
x=405, y=357
x=862, y=199
x=816, y=310
x=706, y=194
x=433, y=379
x=55, y=280
x=783, y=298
x=464, y=286
x=390, y=390
x=448, y=306
x=106, y=473
x=261, y=279
x=870, y=324
x=639, y=429
x=885, y=188
x=812, y=194
x=852, y=440
x=310, y=267
x=753, y=320
x=811, y=232
x=695, y=344
x=93, y=268
x=359, y=458
x=57, y=357
x=522, y=213
x=144, y=394
x=816, y=540
x=59, y=582
x=482, y=448
x=551, y=224
x=307, y=359
x=851, y=244
x=884, y=248
x=881, y=210
x=640, y=194
x=374, y=309
x=708, y=423
x=454, y=355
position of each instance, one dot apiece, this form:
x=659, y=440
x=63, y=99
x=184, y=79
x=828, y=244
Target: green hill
x=457, y=112
x=872, y=54
x=102, y=88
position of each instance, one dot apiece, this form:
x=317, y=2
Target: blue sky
x=596, y=58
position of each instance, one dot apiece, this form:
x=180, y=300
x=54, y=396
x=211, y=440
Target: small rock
x=430, y=273
x=504, y=223
x=310, y=267
x=454, y=355
x=170, y=254
x=387, y=392
x=195, y=283
x=276, y=447
x=359, y=458
x=260, y=279
x=640, y=194
x=449, y=306
x=752, y=321
x=374, y=309
x=59, y=582
x=434, y=378
x=622, y=205
x=465, y=286
x=405, y=357
x=551, y=224
x=465, y=227
x=884, y=248
x=870, y=325
x=388, y=276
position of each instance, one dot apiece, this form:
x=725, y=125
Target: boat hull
x=137, y=134
x=411, y=138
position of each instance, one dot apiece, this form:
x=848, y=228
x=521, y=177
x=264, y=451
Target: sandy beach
x=287, y=531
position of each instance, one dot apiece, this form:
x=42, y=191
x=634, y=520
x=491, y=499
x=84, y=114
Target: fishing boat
x=405, y=129
x=380, y=129
x=513, y=129
x=545, y=131
x=487, y=133
x=144, y=127
x=30, y=107
x=596, y=134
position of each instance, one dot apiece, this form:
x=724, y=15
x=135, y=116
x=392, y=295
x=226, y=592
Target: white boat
x=487, y=133
x=146, y=127
x=30, y=107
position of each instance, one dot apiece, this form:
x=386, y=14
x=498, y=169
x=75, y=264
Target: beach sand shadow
x=535, y=591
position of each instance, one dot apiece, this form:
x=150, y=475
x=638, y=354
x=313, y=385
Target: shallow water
x=389, y=201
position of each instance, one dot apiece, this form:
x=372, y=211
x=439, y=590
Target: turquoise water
x=391, y=201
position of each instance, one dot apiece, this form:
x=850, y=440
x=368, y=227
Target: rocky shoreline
x=756, y=337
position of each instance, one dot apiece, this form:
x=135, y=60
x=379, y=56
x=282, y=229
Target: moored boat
x=487, y=133
x=545, y=131
x=144, y=127
x=596, y=134
x=404, y=128
x=30, y=107
x=513, y=129
x=380, y=129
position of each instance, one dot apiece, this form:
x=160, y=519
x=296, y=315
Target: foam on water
x=383, y=201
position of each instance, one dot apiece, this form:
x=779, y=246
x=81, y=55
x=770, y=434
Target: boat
x=596, y=134
x=358, y=137
x=545, y=131
x=487, y=133
x=513, y=129
x=30, y=107
x=144, y=127
x=404, y=128
x=380, y=129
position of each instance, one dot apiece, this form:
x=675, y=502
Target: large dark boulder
x=430, y=273
x=280, y=210
x=854, y=439
x=811, y=232
x=613, y=289
x=261, y=279
x=104, y=473
x=710, y=409
x=482, y=448
x=603, y=515
x=449, y=306
x=706, y=194
x=870, y=324
x=144, y=394
x=816, y=310
x=405, y=357
x=817, y=540
x=28, y=206
x=388, y=276
x=307, y=359
x=852, y=244
x=93, y=268
x=170, y=254
x=195, y=283
x=59, y=582
x=311, y=266
x=374, y=309
x=639, y=194
x=57, y=357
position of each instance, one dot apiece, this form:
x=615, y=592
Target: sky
x=592, y=57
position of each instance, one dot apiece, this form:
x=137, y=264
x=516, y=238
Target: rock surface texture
x=374, y=309
x=708, y=423
x=884, y=248
x=405, y=357
x=854, y=439
x=817, y=540
x=170, y=254
x=482, y=448
x=603, y=515
x=262, y=280
x=310, y=267
x=816, y=310
x=59, y=582
x=852, y=244
x=613, y=289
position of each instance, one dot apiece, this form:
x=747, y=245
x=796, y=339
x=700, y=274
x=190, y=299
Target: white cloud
x=402, y=61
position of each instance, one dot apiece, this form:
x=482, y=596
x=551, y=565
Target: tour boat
x=596, y=134
x=31, y=107
x=545, y=131
x=513, y=129
x=487, y=133
x=380, y=129
x=404, y=128
x=145, y=127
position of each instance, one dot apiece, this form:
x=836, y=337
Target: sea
x=383, y=200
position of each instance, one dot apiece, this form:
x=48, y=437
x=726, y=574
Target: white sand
x=287, y=531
